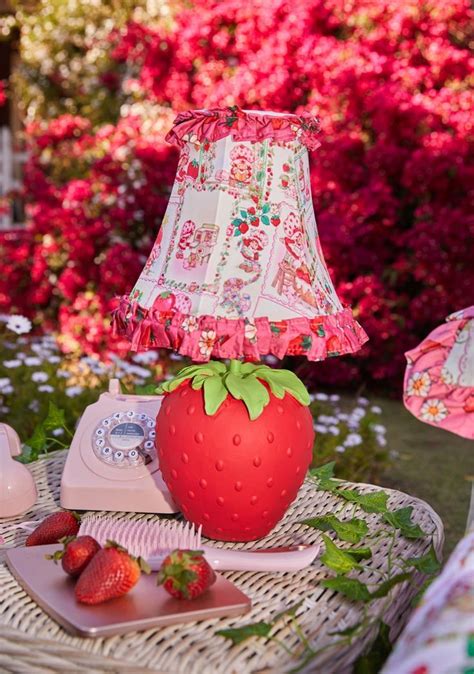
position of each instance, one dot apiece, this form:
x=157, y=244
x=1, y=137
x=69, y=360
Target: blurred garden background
x=88, y=91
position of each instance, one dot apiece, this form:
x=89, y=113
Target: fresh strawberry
x=275, y=220
x=111, y=573
x=234, y=460
x=186, y=574
x=77, y=553
x=54, y=527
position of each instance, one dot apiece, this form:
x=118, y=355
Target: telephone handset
x=112, y=462
x=17, y=487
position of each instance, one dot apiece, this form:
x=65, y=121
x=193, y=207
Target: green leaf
x=243, y=214
x=265, y=219
x=375, y=502
x=401, y=519
x=349, y=587
x=214, y=394
x=265, y=208
x=38, y=439
x=361, y=553
x=384, y=588
x=287, y=380
x=352, y=531
x=324, y=476
x=239, y=634
x=427, y=564
x=336, y=559
x=248, y=389
x=28, y=454
x=56, y=417
x=372, y=662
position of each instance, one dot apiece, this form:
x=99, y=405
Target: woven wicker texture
x=33, y=642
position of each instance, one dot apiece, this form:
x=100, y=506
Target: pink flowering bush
x=392, y=181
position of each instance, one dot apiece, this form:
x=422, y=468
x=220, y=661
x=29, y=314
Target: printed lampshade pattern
x=439, y=379
x=237, y=269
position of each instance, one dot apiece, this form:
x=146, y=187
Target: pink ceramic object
x=17, y=487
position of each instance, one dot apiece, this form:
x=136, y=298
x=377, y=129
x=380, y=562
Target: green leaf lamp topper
x=242, y=381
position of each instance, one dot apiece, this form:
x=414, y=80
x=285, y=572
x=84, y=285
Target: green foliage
x=336, y=559
x=67, y=63
x=352, y=530
x=243, y=381
x=344, y=561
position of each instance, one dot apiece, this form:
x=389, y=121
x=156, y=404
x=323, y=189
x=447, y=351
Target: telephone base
x=112, y=463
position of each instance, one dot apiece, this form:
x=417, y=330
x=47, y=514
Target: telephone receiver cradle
x=17, y=487
x=112, y=462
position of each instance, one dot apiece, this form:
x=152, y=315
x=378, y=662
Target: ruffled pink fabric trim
x=212, y=337
x=212, y=125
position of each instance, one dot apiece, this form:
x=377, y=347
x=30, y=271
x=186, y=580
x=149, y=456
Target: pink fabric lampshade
x=439, y=379
x=237, y=270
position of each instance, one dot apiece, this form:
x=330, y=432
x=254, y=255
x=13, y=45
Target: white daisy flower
x=5, y=382
x=362, y=401
x=340, y=449
x=46, y=388
x=321, y=396
x=381, y=440
x=206, y=342
x=39, y=377
x=319, y=428
x=334, y=430
x=73, y=391
x=146, y=357
x=419, y=384
x=54, y=359
x=352, y=440
x=34, y=406
x=376, y=409
x=10, y=364
x=433, y=410
x=250, y=331
x=32, y=361
x=57, y=431
x=19, y=324
x=190, y=324
x=446, y=376
x=63, y=373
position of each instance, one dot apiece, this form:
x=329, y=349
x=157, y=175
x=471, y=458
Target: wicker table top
x=30, y=641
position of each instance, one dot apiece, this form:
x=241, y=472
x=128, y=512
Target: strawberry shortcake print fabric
x=439, y=379
x=237, y=269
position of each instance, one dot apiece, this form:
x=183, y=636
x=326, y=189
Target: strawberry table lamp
x=237, y=273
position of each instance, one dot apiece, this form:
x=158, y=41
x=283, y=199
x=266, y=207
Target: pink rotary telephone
x=17, y=487
x=112, y=463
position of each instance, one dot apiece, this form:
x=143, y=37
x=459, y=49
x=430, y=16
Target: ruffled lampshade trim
x=205, y=337
x=243, y=125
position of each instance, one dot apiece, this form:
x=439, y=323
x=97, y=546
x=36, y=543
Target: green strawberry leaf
x=375, y=502
x=239, y=634
x=401, y=519
x=214, y=394
x=384, y=588
x=287, y=380
x=252, y=393
x=336, y=559
x=349, y=587
x=428, y=563
x=352, y=531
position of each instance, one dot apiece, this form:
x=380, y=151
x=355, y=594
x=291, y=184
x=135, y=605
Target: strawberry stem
x=251, y=383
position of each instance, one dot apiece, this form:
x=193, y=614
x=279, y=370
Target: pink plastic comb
x=154, y=540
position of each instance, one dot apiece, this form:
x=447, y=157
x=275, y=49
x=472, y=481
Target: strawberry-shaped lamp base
x=234, y=444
